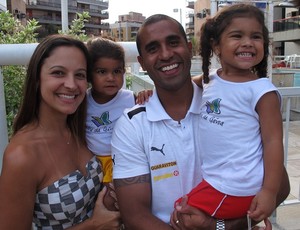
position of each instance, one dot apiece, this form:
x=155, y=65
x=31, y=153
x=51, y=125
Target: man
x=155, y=146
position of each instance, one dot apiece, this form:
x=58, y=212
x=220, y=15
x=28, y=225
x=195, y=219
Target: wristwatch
x=220, y=224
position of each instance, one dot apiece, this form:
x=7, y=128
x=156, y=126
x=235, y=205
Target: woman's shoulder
x=22, y=150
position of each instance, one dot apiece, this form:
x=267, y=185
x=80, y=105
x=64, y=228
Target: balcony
x=287, y=29
x=191, y=4
x=46, y=5
x=56, y=7
x=285, y=24
x=189, y=25
x=102, y=3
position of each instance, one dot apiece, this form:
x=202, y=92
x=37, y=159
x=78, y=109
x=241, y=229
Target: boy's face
x=107, y=79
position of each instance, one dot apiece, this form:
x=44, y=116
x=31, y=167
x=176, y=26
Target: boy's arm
x=198, y=80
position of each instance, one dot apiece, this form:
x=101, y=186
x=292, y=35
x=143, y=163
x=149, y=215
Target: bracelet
x=220, y=224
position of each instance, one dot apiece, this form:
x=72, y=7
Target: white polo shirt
x=147, y=140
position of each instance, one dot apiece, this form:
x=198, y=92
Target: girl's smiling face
x=241, y=45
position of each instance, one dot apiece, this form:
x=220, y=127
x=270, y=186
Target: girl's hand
x=267, y=227
x=262, y=205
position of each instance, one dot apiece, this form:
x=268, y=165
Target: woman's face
x=63, y=80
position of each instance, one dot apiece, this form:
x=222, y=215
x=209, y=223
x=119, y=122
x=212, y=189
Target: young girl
x=241, y=124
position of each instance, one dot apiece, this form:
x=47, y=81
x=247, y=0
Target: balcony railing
x=285, y=24
x=19, y=54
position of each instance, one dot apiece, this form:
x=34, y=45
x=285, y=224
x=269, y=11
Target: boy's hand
x=143, y=96
x=110, y=198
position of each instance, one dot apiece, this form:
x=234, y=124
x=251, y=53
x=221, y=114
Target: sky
x=146, y=8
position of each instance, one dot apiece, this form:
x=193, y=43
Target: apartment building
x=48, y=13
x=2, y=5
x=190, y=24
x=125, y=29
x=286, y=22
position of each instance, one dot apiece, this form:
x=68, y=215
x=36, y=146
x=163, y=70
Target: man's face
x=165, y=55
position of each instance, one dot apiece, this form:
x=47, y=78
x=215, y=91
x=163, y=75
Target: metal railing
x=285, y=24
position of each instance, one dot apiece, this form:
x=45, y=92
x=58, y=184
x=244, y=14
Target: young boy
x=106, y=99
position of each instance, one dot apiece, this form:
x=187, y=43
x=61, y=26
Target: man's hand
x=186, y=217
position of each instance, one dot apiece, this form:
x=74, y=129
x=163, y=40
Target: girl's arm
x=270, y=118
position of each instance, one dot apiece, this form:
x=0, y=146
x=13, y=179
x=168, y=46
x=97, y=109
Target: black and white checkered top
x=69, y=200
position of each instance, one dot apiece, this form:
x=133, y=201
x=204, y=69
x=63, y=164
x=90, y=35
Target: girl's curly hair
x=213, y=28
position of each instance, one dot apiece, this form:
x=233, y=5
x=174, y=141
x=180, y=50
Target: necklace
x=69, y=138
x=69, y=134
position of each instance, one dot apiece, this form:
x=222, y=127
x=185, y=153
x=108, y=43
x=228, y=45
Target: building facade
x=126, y=28
x=3, y=5
x=48, y=13
x=190, y=24
x=285, y=37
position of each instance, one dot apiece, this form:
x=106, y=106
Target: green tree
x=77, y=27
x=13, y=32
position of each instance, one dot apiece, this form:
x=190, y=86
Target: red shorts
x=217, y=204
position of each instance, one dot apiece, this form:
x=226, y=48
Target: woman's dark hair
x=153, y=19
x=29, y=109
x=105, y=48
x=213, y=28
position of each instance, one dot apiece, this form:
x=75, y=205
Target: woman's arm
x=18, y=182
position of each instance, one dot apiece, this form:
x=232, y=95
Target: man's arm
x=134, y=199
x=191, y=218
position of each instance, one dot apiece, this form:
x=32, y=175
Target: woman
x=49, y=176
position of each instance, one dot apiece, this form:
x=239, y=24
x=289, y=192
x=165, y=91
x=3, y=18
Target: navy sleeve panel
x=136, y=111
